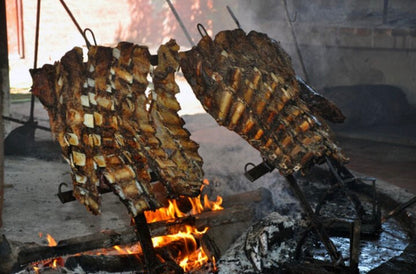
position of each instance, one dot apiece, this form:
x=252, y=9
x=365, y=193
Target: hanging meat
x=247, y=83
x=175, y=140
x=111, y=133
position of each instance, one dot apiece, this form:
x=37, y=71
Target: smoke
x=153, y=22
x=337, y=40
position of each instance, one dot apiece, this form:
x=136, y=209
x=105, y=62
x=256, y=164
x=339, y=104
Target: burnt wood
x=119, y=263
x=241, y=207
x=128, y=262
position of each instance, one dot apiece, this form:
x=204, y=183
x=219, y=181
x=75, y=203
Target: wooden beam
x=32, y=253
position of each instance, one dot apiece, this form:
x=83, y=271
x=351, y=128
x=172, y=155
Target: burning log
x=128, y=262
x=114, y=263
x=244, y=207
x=135, y=262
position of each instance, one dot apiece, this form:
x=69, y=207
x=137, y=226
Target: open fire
x=191, y=255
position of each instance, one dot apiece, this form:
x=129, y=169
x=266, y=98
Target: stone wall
x=346, y=42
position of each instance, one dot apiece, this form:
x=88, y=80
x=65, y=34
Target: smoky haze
x=340, y=42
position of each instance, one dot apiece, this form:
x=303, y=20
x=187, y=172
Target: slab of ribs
x=115, y=128
x=111, y=131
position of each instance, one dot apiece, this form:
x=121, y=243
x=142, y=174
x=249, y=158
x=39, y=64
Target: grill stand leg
x=152, y=263
x=316, y=224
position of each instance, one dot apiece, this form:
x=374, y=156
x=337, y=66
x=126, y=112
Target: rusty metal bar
x=25, y=122
x=75, y=22
x=234, y=17
x=68, y=196
x=295, y=40
x=20, y=29
x=399, y=209
x=145, y=239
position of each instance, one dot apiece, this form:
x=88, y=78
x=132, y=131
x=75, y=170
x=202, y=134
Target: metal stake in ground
x=316, y=224
x=22, y=139
x=153, y=265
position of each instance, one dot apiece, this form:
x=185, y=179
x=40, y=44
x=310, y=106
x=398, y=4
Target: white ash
x=267, y=244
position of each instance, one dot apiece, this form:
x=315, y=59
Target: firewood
x=115, y=263
x=242, y=207
x=125, y=262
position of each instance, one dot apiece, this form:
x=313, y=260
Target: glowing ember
x=186, y=242
x=50, y=263
x=172, y=211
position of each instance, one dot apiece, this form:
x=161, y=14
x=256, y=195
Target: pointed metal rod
x=75, y=22
x=295, y=40
x=175, y=13
x=234, y=17
x=35, y=60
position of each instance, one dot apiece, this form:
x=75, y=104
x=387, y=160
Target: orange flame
x=191, y=255
x=51, y=240
x=50, y=263
x=172, y=211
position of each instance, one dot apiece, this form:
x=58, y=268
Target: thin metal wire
x=295, y=40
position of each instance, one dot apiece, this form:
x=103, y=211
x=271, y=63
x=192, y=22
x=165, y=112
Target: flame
x=214, y=264
x=193, y=257
x=50, y=263
x=189, y=253
x=172, y=211
x=51, y=240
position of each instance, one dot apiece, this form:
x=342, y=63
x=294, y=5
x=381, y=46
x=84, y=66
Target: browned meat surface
x=100, y=115
x=175, y=140
x=319, y=105
x=247, y=83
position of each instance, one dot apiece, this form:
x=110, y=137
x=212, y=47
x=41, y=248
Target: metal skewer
x=175, y=13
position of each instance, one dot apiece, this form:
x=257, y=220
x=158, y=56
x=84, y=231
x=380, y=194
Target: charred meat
x=112, y=133
x=247, y=83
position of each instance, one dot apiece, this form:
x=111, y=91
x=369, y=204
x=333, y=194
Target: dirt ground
x=32, y=207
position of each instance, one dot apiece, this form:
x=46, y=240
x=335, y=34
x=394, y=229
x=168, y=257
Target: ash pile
x=284, y=241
